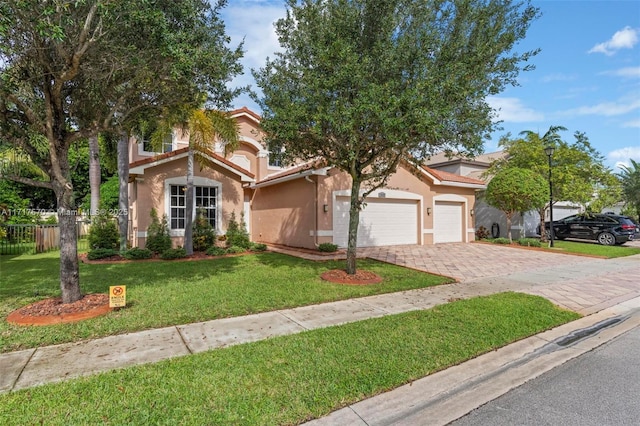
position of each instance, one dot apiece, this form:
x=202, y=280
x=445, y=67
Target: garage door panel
x=382, y=222
x=447, y=222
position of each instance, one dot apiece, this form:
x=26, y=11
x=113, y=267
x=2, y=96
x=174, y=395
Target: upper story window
x=275, y=155
x=167, y=144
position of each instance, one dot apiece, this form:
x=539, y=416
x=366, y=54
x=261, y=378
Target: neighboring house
x=488, y=216
x=302, y=205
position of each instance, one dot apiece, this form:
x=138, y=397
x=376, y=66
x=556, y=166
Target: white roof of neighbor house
x=442, y=158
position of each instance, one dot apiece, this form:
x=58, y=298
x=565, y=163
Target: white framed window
x=206, y=200
x=146, y=148
x=275, y=155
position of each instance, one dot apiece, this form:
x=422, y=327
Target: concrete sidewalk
x=599, y=288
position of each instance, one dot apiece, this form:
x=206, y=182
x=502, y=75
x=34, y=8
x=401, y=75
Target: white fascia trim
x=437, y=181
x=309, y=172
x=254, y=143
x=140, y=169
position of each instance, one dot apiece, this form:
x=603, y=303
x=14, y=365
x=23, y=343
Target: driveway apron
x=579, y=283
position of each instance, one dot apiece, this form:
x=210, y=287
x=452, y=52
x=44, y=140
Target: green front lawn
x=287, y=380
x=595, y=249
x=169, y=293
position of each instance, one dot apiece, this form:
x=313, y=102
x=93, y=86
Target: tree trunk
x=123, y=197
x=94, y=174
x=509, y=217
x=543, y=234
x=188, y=220
x=69, y=270
x=354, y=220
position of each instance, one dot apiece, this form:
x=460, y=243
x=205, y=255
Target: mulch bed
x=53, y=311
x=361, y=277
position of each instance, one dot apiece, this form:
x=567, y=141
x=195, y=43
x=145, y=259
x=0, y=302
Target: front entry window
x=205, y=200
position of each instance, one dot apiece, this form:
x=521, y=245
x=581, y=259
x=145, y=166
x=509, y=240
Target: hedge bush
x=174, y=253
x=101, y=253
x=529, y=242
x=216, y=251
x=158, y=238
x=327, y=247
x=137, y=253
x=103, y=233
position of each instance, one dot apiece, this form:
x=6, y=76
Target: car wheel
x=606, y=239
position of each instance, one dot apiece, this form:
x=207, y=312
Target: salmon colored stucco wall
x=278, y=211
x=150, y=191
x=285, y=214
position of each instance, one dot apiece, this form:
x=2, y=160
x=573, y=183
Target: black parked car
x=606, y=229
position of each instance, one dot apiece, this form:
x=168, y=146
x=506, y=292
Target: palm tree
x=204, y=128
x=630, y=178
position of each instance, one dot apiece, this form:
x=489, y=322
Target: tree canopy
x=364, y=84
x=70, y=69
x=515, y=190
x=630, y=178
x=578, y=170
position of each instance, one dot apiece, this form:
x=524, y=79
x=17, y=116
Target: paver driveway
x=582, y=284
x=464, y=261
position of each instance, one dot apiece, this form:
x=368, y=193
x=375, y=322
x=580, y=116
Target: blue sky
x=587, y=75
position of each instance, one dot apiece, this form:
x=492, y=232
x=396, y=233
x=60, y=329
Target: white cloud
x=628, y=72
x=626, y=38
x=632, y=123
x=624, y=155
x=511, y=110
x=252, y=21
x=608, y=109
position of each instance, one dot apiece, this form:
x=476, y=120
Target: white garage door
x=447, y=222
x=382, y=222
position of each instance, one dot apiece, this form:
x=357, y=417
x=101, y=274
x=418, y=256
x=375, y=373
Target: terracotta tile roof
x=245, y=110
x=177, y=152
x=441, y=158
x=452, y=177
x=309, y=165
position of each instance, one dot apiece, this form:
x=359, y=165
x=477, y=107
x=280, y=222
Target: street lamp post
x=549, y=150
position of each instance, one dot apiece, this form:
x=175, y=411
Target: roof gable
x=139, y=167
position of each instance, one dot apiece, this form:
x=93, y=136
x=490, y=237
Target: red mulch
x=53, y=311
x=361, y=277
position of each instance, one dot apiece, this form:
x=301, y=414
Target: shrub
x=204, y=236
x=327, y=247
x=174, y=253
x=101, y=253
x=216, y=251
x=103, y=233
x=158, y=238
x=258, y=247
x=138, y=253
x=529, y=242
x=237, y=234
x=501, y=241
x=235, y=250
x=482, y=233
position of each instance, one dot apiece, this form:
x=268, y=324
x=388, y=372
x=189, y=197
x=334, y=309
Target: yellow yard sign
x=117, y=296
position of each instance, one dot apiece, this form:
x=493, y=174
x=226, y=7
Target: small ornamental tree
x=516, y=190
x=158, y=238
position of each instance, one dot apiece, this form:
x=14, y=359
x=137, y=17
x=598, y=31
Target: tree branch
x=29, y=181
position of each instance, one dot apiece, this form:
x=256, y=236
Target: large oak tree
x=70, y=69
x=365, y=84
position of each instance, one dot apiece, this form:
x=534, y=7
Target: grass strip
x=167, y=293
x=288, y=380
x=595, y=249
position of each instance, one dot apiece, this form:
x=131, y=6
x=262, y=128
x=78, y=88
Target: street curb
x=445, y=396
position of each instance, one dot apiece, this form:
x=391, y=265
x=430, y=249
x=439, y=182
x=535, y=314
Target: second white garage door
x=382, y=222
x=447, y=222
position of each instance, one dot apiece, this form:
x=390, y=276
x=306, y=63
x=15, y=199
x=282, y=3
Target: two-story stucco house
x=300, y=206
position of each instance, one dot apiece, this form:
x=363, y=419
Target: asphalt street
x=599, y=388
